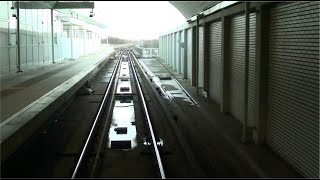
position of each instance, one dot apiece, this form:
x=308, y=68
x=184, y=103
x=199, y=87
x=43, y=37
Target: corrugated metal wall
x=293, y=85
x=162, y=48
x=173, y=55
x=177, y=62
x=189, y=54
x=252, y=76
x=237, y=59
x=201, y=59
x=171, y=50
x=215, y=69
x=182, y=53
x=167, y=48
x=174, y=49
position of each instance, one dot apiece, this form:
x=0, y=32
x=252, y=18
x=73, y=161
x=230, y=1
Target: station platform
x=216, y=137
x=30, y=97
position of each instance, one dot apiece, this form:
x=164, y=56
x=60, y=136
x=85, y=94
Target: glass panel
x=50, y=53
x=81, y=34
x=13, y=58
x=35, y=17
x=12, y=31
x=4, y=13
x=4, y=59
x=4, y=33
x=23, y=35
x=35, y=36
x=23, y=56
x=29, y=13
x=29, y=56
x=29, y=35
x=41, y=54
x=35, y=54
x=22, y=13
x=46, y=53
x=65, y=34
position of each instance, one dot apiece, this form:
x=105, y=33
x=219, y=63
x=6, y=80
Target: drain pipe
x=245, y=119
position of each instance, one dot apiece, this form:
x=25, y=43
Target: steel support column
x=52, y=33
x=206, y=39
x=246, y=70
x=18, y=37
x=225, y=64
x=197, y=56
x=261, y=73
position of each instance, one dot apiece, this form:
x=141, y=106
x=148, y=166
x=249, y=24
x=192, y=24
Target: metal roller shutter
x=173, y=54
x=189, y=54
x=215, y=69
x=167, y=48
x=237, y=59
x=177, y=52
x=252, y=64
x=201, y=59
x=293, y=85
x=169, y=51
x=160, y=47
x=173, y=50
x=182, y=53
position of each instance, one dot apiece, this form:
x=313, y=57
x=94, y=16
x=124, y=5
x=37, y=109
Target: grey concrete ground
x=27, y=102
x=21, y=89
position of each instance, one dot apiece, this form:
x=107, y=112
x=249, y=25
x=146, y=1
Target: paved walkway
x=28, y=99
x=18, y=90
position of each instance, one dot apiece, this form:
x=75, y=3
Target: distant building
x=73, y=35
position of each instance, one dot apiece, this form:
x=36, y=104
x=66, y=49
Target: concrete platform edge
x=19, y=127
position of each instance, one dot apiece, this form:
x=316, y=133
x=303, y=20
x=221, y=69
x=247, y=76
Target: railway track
x=121, y=129
x=126, y=134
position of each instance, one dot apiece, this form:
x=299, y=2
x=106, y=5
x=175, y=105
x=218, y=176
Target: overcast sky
x=136, y=19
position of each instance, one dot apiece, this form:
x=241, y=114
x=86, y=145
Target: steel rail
x=154, y=142
x=105, y=125
x=96, y=120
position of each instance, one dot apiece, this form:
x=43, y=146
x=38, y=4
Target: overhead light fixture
x=200, y=15
x=91, y=13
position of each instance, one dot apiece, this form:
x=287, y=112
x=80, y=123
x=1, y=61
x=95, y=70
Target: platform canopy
x=61, y=4
x=64, y=7
x=191, y=8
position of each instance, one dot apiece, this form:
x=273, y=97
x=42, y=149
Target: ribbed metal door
x=160, y=47
x=215, y=69
x=189, y=54
x=172, y=50
x=293, y=85
x=237, y=60
x=167, y=49
x=182, y=53
x=177, y=62
x=174, y=55
x=251, y=77
x=201, y=58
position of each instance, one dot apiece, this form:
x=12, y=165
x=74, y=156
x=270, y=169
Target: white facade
x=72, y=38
